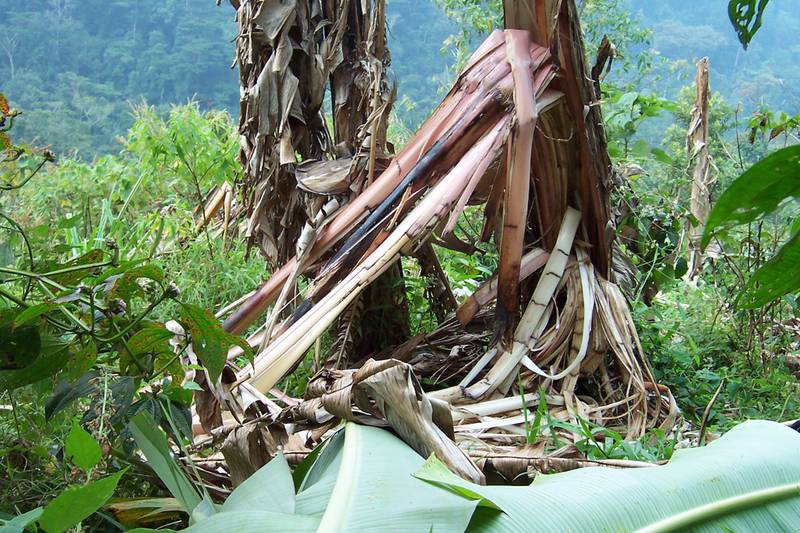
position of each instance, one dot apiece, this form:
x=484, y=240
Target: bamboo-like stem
x=533, y=320
x=531, y=262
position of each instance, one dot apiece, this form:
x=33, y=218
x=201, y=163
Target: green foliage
x=695, y=343
x=757, y=193
x=366, y=478
x=81, y=448
x=19, y=523
x=77, y=503
x=77, y=65
x=746, y=17
x=82, y=289
x=211, y=342
x=624, y=114
x=155, y=447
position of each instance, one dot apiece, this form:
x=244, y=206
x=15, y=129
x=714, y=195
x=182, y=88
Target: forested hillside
x=77, y=66
x=85, y=63
x=764, y=74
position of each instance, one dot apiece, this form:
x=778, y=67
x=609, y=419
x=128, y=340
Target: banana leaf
x=366, y=479
x=749, y=480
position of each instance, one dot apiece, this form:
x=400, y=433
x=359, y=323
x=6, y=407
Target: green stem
x=69, y=314
x=22, y=303
x=75, y=268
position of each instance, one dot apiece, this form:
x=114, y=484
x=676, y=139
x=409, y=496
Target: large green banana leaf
x=362, y=481
x=749, y=480
x=366, y=479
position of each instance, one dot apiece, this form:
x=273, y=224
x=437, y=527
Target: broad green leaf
x=759, y=191
x=317, y=485
x=74, y=276
x=300, y=472
x=153, y=443
x=641, y=149
x=778, y=277
x=127, y=285
x=77, y=503
x=746, y=15
x=661, y=156
x=81, y=448
x=271, y=488
x=375, y=489
x=753, y=457
x=209, y=340
x=152, y=339
x=19, y=523
x=84, y=360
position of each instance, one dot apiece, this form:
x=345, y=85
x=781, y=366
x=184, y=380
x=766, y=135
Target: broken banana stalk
x=285, y=351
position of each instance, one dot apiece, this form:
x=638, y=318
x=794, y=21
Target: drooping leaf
x=759, y=191
x=33, y=312
x=746, y=17
x=19, y=523
x=209, y=340
x=661, y=156
x=778, y=277
x=155, y=448
x=181, y=418
x=81, y=448
x=300, y=472
x=152, y=339
x=77, y=503
x=122, y=391
x=67, y=392
x=74, y=276
x=317, y=485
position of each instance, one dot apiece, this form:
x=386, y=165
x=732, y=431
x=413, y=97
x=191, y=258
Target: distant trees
x=86, y=61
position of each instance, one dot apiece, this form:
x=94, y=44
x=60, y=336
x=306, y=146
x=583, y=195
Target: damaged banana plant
x=290, y=54
x=520, y=133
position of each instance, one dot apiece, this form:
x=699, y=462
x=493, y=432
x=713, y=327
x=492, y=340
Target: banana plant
x=366, y=479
